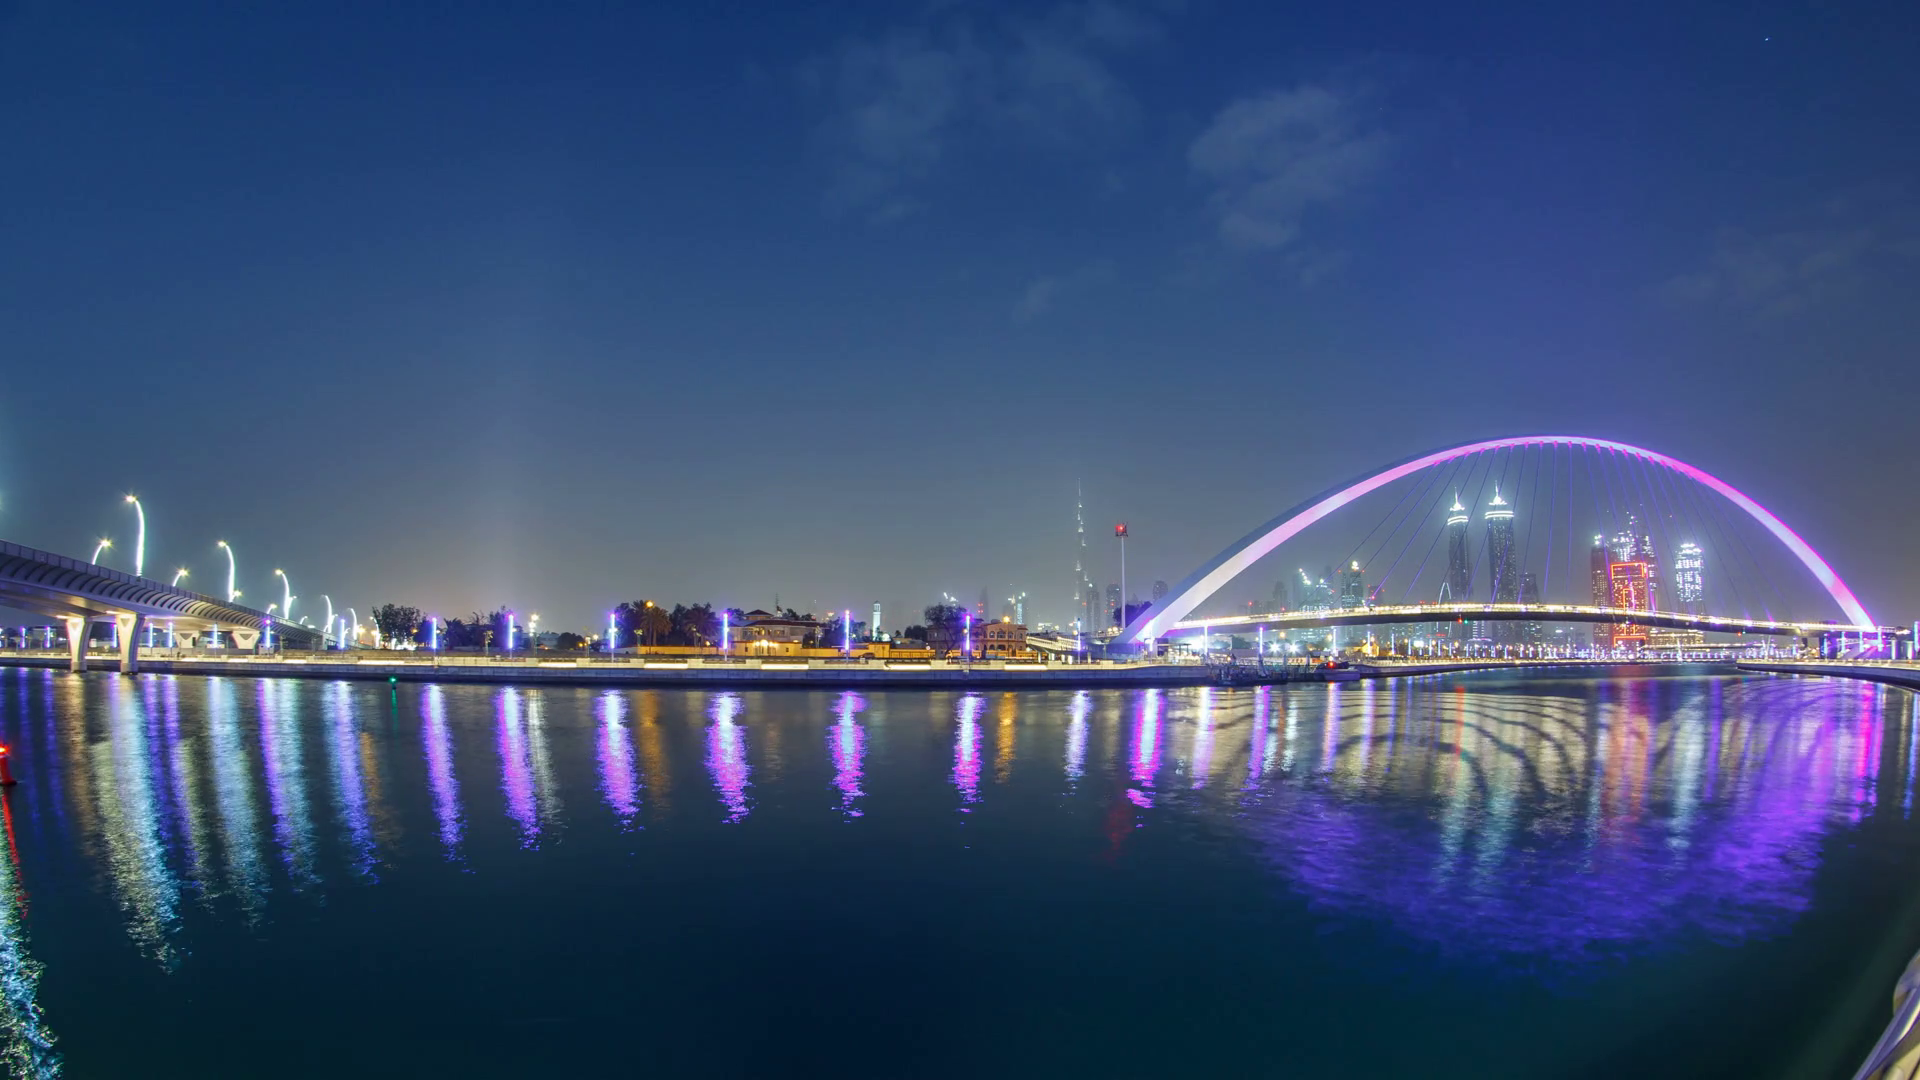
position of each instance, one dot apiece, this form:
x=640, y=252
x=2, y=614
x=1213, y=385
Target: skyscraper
x=1598, y=561
x=1113, y=605
x=1086, y=599
x=1503, y=563
x=1353, y=588
x=1531, y=631
x=1689, y=574
x=1459, y=581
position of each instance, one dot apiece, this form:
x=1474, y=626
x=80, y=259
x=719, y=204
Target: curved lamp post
x=286, y=593
x=177, y=575
x=139, y=539
x=232, y=593
x=103, y=545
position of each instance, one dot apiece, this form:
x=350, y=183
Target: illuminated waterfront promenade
x=718, y=671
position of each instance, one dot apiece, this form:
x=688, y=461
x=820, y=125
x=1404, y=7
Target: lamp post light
x=139, y=539
x=103, y=545
x=353, y=622
x=533, y=631
x=846, y=632
x=613, y=631
x=510, y=629
x=329, y=601
x=1120, y=531
x=286, y=592
x=232, y=593
x=177, y=575
x=433, y=633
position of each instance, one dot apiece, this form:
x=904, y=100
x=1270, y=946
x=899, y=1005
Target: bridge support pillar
x=77, y=628
x=130, y=627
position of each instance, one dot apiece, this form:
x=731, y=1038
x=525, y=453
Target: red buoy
x=6, y=768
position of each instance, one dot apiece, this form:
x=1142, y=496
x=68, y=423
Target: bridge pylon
x=77, y=627
x=130, y=627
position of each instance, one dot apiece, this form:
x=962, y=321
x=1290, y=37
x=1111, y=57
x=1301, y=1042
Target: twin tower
x=1503, y=558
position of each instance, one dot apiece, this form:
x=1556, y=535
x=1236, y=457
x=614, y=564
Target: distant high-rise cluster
x=1626, y=574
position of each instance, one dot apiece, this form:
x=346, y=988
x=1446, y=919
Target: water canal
x=1495, y=874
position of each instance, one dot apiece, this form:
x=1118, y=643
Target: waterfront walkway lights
x=139, y=539
x=232, y=593
x=103, y=545
x=286, y=593
x=177, y=575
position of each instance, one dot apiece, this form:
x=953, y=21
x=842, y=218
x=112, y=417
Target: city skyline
x=429, y=345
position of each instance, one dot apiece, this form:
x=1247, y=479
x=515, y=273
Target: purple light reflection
x=516, y=772
x=966, y=752
x=1077, y=736
x=619, y=783
x=1146, y=749
x=439, y=750
x=727, y=757
x=847, y=744
x=349, y=787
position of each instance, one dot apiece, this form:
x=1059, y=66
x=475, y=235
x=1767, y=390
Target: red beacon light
x=6, y=766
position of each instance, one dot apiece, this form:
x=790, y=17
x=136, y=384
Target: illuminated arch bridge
x=1616, y=474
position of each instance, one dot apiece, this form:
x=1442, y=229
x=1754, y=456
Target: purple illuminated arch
x=1255, y=545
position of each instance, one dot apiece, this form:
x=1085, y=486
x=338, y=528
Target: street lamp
x=177, y=575
x=1120, y=531
x=329, y=601
x=286, y=590
x=139, y=539
x=232, y=593
x=533, y=631
x=102, y=546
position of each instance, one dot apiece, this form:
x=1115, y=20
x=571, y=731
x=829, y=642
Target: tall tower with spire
x=1459, y=564
x=1503, y=562
x=1085, y=601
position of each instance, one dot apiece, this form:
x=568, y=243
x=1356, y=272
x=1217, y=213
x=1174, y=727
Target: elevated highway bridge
x=81, y=594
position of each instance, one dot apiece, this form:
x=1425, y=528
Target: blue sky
x=558, y=305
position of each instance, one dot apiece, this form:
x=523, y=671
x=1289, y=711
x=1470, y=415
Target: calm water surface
x=1476, y=876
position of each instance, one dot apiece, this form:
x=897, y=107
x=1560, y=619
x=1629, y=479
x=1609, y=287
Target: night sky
x=553, y=306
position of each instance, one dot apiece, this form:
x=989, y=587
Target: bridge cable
x=1723, y=549
x=1473, y=566
x=1430, y=486
x=1352, y=555
x=1526, y=552
x=1546, y=577
x=1774, y=587
x=1411, y=585
x=1437, y=492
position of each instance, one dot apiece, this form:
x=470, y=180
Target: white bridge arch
x=1209, y=579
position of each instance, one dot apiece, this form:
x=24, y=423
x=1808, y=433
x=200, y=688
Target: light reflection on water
x=1545, y=822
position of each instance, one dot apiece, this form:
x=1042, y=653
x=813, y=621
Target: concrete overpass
x=81, y=594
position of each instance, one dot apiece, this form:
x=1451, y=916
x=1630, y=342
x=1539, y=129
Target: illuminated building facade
x=1352, y=586
x=1689, y=574
x=1632, y=590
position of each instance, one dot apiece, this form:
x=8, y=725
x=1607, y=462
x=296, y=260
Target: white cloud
x=1273, y=159
x=1042, y=293
x=1830, y=253
x=898, y=106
